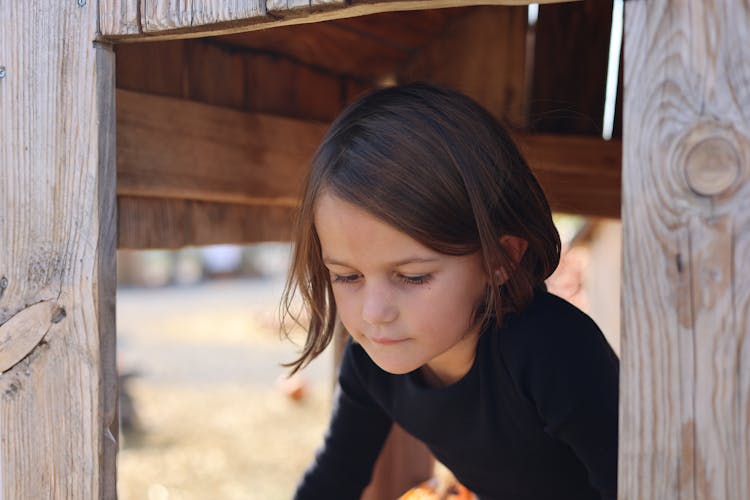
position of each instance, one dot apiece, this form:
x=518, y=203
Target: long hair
x=434, y=164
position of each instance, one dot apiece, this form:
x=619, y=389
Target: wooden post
x=685, y=373
x=58, y=394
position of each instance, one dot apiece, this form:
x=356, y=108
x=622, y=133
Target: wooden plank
x=154, y=68
x=408, y=30
x=329, y=46
x=57, y=404
x=685, y=372
x=159, y=15
x=172, y=148
x=571, y=52
x=161, y=223
x=580, y=175
x=168, y=22
x=214, y=74
x=319, y=3
x=119, y=17
x=276, y=5
x=480, y=53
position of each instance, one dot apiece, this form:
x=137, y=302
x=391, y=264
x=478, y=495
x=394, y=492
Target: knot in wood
x=712, y=165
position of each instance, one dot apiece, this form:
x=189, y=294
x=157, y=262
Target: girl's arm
x=576, y=390
x=356, y=433
x=564, y=366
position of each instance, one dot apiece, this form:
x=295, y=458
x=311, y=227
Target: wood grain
x=162, y=19
x=579, y=174
x=330, y=45
x=57, y=247
x=173, y=148
x=481, y=53
x=23, y=332
x=276, y=5
x=161, y=223
x=215, y=72
x=154, y=68
x=119, y=17
x=571, y=52
x=214, y=75
x=685, y=372
x=158, y=15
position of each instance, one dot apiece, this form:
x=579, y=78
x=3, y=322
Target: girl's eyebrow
x=409, y=260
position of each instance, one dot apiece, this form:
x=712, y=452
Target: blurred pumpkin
x=430, y=490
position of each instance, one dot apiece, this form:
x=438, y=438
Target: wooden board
x=330, y=45
x=173, y=148
x=153, y=68
x=481, y=53
x=160, y=223
x=571, y=52
x=275, y=5
x=158, y=15
x=166, y=19
x=284, y=87
x=214, y=72
x=580, y=175
x=119, y=16
x=685, y=371
x=57, y=247
x=214, y=75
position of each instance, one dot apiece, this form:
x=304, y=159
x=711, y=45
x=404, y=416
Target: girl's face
x=407, y=305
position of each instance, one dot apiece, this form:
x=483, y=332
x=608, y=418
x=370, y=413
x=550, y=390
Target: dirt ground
x=202, y=365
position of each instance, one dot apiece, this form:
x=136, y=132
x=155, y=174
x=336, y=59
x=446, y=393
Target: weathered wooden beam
x=685, y=372
x=224, y=75
x=174, y=148
x=571, y=53
x=58, y=395
x=481, y=53
x=579, y=174
x=170, y=223
x=172, y=19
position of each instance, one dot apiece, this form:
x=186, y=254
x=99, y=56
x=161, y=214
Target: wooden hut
x=162, y=123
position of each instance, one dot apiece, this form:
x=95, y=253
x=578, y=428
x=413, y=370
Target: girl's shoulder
x=551, y=328
x=557, y=357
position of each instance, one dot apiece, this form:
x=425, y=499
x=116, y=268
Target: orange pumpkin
x=428, y=491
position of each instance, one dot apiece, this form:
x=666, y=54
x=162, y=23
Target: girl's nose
x=377, y=308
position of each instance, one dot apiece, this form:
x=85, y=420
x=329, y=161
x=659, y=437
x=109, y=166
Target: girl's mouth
x=386, y=341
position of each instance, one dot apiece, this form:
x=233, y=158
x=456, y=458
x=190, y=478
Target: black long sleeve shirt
x=534, y=418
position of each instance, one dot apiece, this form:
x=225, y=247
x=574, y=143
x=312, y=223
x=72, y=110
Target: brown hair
x=435, y=165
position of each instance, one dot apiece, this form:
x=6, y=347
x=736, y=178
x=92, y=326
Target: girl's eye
x=345, y=279
x=416, y=280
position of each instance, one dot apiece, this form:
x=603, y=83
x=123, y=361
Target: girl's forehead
x=346, y=230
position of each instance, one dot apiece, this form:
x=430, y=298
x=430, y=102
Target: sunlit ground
x=211, y=421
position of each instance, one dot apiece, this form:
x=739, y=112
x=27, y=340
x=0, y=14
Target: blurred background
x=206, y=409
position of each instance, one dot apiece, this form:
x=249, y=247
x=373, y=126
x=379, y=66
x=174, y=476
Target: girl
x=424, y=231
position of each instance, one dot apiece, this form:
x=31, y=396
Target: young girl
x=424, y=231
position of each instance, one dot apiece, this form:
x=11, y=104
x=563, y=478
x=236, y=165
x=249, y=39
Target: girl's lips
x=386, y=341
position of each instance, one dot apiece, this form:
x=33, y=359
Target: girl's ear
x=515, y=247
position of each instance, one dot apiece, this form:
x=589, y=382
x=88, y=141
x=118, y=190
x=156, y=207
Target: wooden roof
x=546, y=82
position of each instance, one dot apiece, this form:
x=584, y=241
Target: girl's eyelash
x=416, y=280
x=348, y=279
x=345, y=278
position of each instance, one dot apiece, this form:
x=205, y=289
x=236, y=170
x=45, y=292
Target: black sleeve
x=356, y=433
x=571, y=375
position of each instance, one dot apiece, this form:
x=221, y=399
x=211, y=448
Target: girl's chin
x=392, y=366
